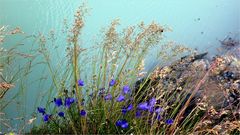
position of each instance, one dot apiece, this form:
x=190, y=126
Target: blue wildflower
x=124, y=110
x=159, y=117
x=80, y=82
x=118, y=123
x=108, y=97
x=58, y=102
x=61, y=114
x=152, y=102
x=46, y=117
x=122, y=123
x=83, y=113
x=143, y=106
x=41, y=110
x=150, y=109
x=130, y=107
x=112, y=82
x=159, y=110
x=138, y=114
x=169, y=121
x=126, y=89
x=69, y=101
x=120, y=98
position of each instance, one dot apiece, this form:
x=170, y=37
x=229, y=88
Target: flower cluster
x=58, y=103
x=141, y=108
x=42, y=111
x=122, y=123
x=67, y=103
x=121, y=97
x=147, y=105
x=125, y=90
x=126, y=109
x=151, y=108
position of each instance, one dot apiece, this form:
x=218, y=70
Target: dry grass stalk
x=4, y=85
x=179, y=116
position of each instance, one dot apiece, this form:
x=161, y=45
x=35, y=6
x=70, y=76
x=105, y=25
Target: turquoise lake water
x=195, y=23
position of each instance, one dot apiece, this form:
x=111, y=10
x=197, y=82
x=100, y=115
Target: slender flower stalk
x=76, y=32
x=177, y=119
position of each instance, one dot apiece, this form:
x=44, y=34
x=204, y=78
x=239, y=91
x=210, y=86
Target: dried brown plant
x=4, y=85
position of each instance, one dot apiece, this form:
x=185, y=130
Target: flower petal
x=108, y=97
x=169, y=121
x=58, y=102
x=41, y=110
x=130, y=107
x=80, y=82
x=112, y=82
x=143, y=106
x=83, y=113
x=46, y=117
x=120, y=98
x=61, y=114
x=152, y=102
x=126, y=89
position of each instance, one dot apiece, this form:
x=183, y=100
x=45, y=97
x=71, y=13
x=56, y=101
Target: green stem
x=124, y=64
x=75, y=70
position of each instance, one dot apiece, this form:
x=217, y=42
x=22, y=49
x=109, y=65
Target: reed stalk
x=199, y=84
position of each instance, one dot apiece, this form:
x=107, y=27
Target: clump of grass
x=100, y=90
x=13, y=74
x=96, y=86
x=7, y=57
x=4, y=86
